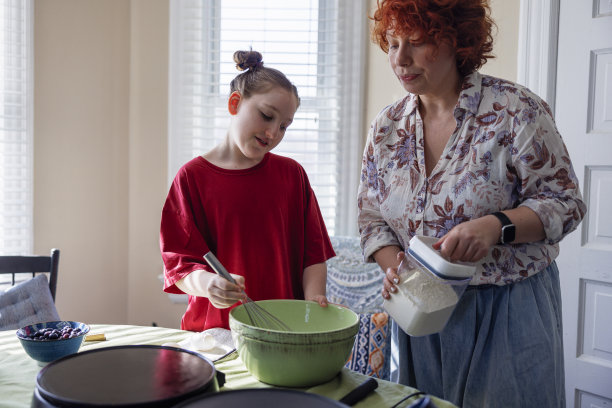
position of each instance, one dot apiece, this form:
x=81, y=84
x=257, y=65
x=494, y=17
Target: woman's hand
x=470, y=241
x=320, y=299
x=392, y=278
x=223, y=293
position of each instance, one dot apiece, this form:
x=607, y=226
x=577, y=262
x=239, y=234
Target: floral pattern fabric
x=505, y=152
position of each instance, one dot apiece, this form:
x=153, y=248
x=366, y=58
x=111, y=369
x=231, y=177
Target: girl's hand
x=320, y=299
x=469, y=241
x=223, y=293
x=392, y=278
x=314, y=281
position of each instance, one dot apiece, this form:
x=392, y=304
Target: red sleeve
x=182, y=245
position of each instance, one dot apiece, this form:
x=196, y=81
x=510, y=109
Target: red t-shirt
x=263, y=223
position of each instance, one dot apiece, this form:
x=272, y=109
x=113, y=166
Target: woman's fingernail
x=396, y=280
x=393, y=289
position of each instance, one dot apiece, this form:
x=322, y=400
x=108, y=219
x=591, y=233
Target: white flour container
x=429, y=288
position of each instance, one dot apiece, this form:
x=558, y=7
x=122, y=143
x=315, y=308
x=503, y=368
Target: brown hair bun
x=248, y=60
x=256, y=78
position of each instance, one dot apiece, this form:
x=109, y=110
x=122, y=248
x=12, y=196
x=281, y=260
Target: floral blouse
x=505, y=152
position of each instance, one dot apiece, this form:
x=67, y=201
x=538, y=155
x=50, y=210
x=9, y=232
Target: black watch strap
x=503, y=218
x=508, y=231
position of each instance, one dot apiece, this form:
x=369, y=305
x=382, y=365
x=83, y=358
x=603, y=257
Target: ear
x=232, y=103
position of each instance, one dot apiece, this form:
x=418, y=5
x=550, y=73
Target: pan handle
x=360, y=392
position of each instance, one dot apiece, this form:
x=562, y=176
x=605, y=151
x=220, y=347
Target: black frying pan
x=270, y=397
x=125, y=376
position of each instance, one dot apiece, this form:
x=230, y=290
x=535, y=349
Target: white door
x=584, y=118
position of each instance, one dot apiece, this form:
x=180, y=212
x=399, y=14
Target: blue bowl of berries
x=48, y=341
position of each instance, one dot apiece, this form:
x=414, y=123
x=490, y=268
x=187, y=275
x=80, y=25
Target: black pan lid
x=261, y=398
x=126, y=376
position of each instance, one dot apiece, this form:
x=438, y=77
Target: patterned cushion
x=372, y=349
x=27, y=303
x=353, y=283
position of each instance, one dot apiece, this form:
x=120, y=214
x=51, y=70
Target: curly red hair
x=465, y=24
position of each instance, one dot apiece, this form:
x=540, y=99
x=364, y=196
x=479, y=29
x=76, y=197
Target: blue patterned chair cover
x=353, y=283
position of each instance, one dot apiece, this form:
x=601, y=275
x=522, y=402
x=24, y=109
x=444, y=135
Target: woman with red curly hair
x=477, y=162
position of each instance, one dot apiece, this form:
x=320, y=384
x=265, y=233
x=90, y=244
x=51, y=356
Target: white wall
x=101, y=69
x=81, y=152
x=100, y=155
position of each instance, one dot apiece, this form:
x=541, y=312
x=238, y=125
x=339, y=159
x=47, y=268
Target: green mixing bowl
x=313, y=352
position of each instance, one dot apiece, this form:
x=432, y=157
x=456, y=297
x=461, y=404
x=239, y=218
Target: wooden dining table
x=18, y=371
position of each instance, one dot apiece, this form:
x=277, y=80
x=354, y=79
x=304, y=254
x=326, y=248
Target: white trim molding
x=537, y=50
x=355, y=32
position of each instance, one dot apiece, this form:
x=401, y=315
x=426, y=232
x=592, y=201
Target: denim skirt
x=502, y=347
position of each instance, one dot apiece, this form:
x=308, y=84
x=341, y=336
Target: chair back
x=13, y=265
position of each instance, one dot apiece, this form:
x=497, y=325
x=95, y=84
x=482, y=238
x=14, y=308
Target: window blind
x=16, y=142
x=318, y=44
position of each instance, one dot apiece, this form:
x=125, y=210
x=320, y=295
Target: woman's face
x=260, y=121
x=423, y=68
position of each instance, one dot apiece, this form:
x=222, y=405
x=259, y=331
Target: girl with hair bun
x=255, y=210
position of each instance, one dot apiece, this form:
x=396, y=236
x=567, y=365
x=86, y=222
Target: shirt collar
x=412, y=104
x=470, y=95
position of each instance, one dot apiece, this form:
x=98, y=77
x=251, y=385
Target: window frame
x=352, y=37
x=25, y=165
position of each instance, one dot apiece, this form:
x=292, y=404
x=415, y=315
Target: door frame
x=537, y=69
x=537, y=48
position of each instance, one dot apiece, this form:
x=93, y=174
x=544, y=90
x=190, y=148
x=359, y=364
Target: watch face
x=508, y=233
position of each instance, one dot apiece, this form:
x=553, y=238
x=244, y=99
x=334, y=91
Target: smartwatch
x=508, y=231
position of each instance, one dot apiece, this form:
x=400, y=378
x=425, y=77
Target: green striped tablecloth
x=18, y=371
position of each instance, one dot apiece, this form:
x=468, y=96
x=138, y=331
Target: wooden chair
x=32, y=264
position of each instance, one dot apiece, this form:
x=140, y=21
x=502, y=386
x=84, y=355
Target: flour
x=427, y=293
x=422, y=305
x=424, y=301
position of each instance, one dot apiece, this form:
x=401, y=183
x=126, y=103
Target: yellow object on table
x=95, y=337
x=18, y=371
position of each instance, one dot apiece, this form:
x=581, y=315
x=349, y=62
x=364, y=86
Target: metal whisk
x=258, y=315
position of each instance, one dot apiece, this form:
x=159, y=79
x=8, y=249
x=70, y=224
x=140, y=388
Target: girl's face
x=259, y=122
x=422, y=68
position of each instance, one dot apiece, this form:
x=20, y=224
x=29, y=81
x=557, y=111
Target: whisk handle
x=218, y=267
